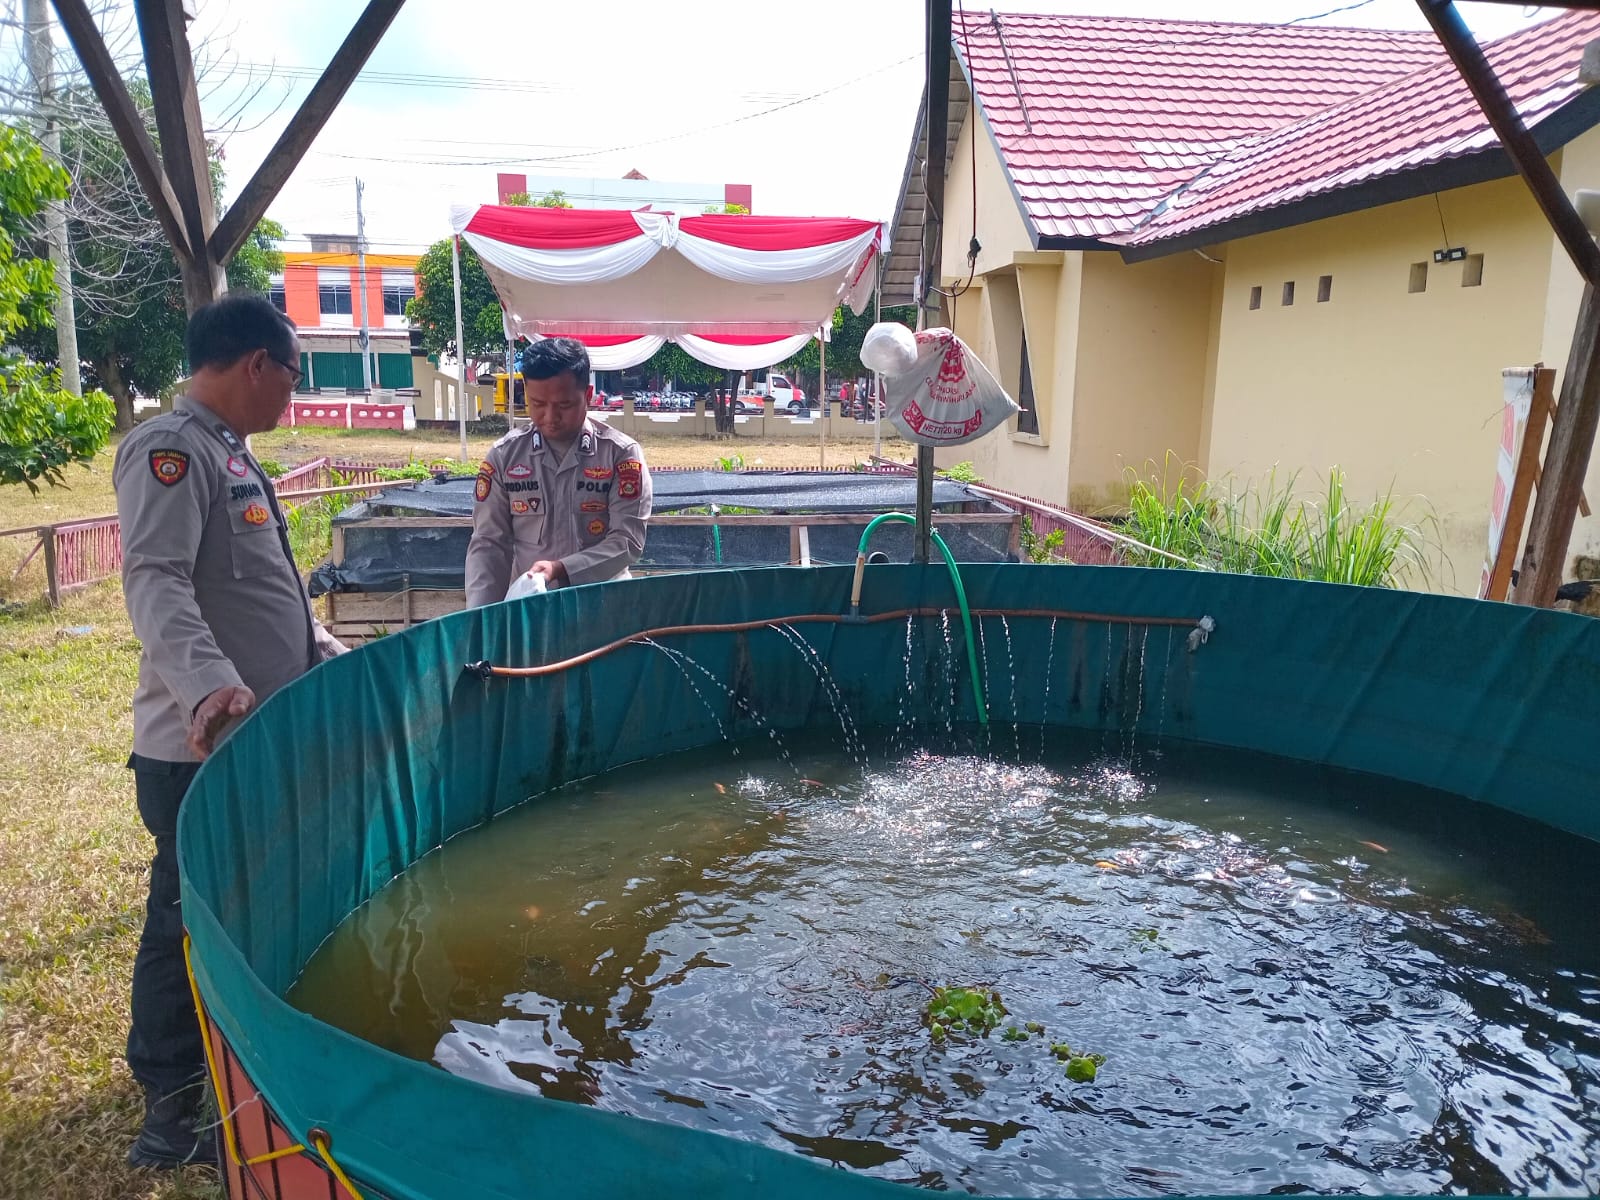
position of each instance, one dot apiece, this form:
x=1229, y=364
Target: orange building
x=321, y=292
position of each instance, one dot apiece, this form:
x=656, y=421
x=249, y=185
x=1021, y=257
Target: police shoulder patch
x=169, y=466
x=481, y=491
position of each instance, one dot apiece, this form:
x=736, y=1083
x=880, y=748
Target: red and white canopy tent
x=740, y=292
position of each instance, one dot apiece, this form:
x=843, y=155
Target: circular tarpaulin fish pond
x=397, y=749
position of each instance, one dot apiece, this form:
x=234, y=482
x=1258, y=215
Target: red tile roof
x=1136, y=131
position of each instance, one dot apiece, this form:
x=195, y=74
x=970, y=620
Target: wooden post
x=1555, y=508
x=937, y=128
x=1521, y=485
x=52, y=576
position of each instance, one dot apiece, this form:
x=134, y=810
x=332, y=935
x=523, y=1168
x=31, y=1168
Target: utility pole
x=36, y=23
x=822, y=389
x=361, y=271
x=461, y=346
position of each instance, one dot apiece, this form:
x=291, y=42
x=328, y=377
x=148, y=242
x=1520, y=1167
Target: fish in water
x=1375, y=846
x=721, y=791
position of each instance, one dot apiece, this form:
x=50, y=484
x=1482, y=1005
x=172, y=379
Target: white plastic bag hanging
x=948, y=397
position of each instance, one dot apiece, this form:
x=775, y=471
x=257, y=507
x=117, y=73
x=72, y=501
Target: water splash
x=1106, y=696
x=1049, y=663
x=1138, y=703
x=949, y=676
x=853, y=745
x=1166, y=675
x=983, y=662
x=1011, y=668
x=675, y=657
x=682, y=660
x=903, y=724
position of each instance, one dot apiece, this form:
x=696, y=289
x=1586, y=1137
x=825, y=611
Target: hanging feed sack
x=948, y=397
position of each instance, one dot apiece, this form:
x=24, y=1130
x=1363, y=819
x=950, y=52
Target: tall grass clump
x=1273, y=529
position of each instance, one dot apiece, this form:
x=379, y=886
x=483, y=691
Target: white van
x=785, y=395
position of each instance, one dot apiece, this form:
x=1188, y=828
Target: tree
x=434, y=309
x=844, y=347
x=43, y=427
x=131, y=313
x=551, y=199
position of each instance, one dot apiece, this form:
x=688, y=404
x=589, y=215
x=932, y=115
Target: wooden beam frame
x=125, y=120
x=164, y=34
x=303, y=129
x=1572, y=437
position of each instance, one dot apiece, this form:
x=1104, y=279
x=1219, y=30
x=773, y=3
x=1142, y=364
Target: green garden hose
x=961, y=597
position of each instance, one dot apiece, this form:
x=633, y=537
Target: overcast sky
x=462, y=89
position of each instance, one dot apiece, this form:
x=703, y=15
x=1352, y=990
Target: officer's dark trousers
x=165, y=1052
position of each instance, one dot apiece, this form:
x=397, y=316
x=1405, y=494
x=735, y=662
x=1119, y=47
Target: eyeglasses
x=295, y=373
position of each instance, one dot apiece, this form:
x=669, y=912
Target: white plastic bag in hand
x=529, y=583
x=949, y=397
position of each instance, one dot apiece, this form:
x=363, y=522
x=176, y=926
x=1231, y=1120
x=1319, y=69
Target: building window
x=1472, y=271
x=1255, y=297
x=396, y=296
x=1028, y=418
x=1288, y=293
x=1419, y=277
x=333, y=299
x=276, y=294
x=1325, y=289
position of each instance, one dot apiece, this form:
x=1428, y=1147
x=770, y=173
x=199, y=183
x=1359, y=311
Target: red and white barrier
x=351, y=414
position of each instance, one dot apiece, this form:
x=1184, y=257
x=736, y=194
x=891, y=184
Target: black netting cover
x=390, y=557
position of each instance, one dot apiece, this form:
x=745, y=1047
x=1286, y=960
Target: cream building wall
x=1400, y=389
x=1143, y=349
x=1137, y=364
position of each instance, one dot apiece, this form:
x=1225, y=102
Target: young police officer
x=223, y=620
x=568, y=497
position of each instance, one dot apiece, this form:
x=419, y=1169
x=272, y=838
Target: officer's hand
x=555, y=575
x=214, y=714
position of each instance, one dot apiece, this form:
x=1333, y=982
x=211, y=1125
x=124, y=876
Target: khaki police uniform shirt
x=210, y=583
x=587, y=511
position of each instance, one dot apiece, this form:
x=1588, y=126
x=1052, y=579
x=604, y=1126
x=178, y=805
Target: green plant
x=272, y=467
x=962, y=472
x=733, y=462
x=412, y=470
x=310, y=525
x=1036, y=549
x=1272, y=529
x=1081, y=1067
x=43, y=427
x=1148, y=939
x=963, y=1010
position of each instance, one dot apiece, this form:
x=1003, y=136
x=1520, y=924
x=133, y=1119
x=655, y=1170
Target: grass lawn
x=75, y=857
x=72, y=886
